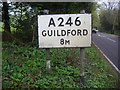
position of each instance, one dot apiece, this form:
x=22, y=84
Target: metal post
x=47, y=50
x=82, y=56
x=48, y=58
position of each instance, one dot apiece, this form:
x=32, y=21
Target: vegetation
x=1, y=24
x=22, y=17
x=109, y=18
x=24, y=67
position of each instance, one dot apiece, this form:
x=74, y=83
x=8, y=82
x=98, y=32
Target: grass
x=116, y=32
x=100, y=73
x=24, y=67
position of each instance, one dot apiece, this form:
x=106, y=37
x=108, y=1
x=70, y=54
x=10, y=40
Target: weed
x=25, y=67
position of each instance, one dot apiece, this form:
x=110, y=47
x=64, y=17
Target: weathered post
x=47, y=50
x=82, y=56
x=48, y=58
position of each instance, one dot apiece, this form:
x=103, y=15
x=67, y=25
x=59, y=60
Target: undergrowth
x=25, y=67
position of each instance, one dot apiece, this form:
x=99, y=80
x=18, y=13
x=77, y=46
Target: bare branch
x=110, y=5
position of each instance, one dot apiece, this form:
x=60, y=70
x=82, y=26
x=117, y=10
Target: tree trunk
x=113, y=29
x=5, y=20
x=5, y=17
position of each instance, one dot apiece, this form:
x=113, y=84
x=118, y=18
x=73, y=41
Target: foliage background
x=25, y=67
x=24, y=64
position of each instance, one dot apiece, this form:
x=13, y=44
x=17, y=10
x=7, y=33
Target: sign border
x=63, y=46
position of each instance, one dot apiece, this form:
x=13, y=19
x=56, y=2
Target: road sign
x=64, y=30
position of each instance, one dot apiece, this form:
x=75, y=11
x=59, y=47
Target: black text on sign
x=64, y=30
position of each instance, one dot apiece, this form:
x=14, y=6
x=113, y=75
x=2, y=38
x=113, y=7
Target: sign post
x=48, y=58
x=48, y=66
x=82, y=56
x=65, y=31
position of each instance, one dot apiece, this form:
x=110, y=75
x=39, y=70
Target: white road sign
x=64, y=30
